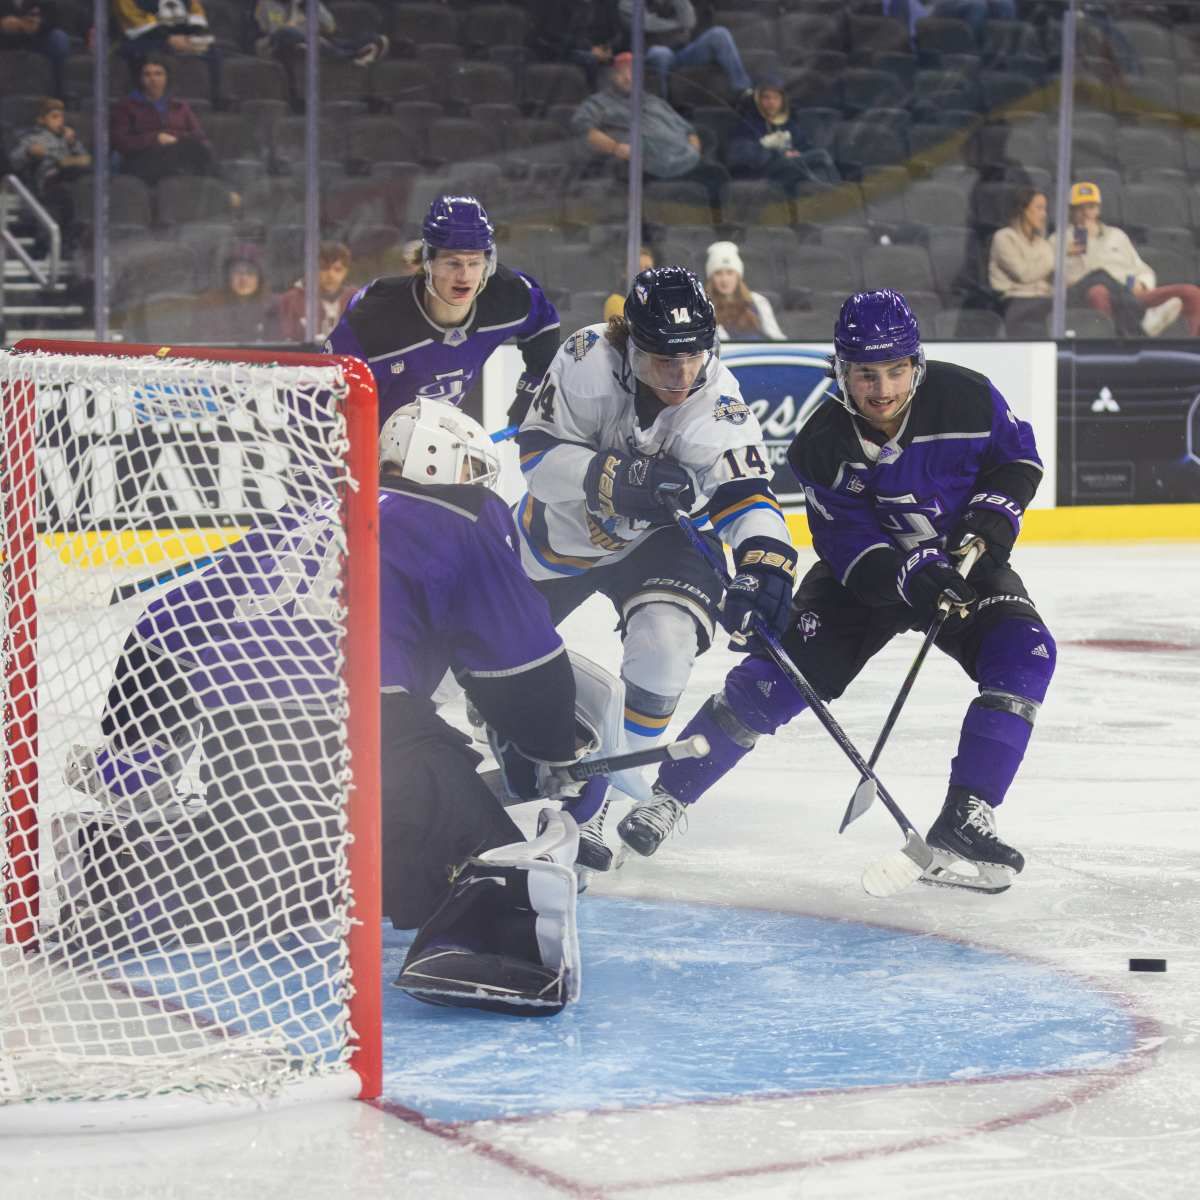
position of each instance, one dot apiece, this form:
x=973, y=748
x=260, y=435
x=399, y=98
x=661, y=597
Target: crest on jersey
x=578, y=344
x=732, y=409
x=855, y=485
x=809, y=624
x=398, y=367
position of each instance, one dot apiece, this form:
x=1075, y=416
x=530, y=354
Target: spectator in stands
x=586, y=33
x=48, y=157
x=670, y=145
x=614, y=306
x=156, y=135
x=976, y=13
x=158, y=27
x=33, y=25
x=1106, y=273
x=333, y=265
x=670, y=25
x=281, y=27
x=768, y=143
x=238, y=310
x=1021, y=265
x=742, y=315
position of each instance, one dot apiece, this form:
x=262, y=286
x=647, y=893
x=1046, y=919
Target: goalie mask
x=432, y=442
x=876, y=327
x=672, y=331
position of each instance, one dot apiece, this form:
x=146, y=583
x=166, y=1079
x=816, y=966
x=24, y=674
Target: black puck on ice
x=1147, y=964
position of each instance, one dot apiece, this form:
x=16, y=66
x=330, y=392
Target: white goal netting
x=177, y=773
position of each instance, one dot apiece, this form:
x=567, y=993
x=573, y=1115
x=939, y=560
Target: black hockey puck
x=1147, y=964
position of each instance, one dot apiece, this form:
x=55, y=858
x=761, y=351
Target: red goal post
x=195, y=408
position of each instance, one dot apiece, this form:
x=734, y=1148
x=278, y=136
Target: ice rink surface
x=754, y=1025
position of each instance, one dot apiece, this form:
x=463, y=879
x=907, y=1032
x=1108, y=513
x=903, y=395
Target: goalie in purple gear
x=238, y=665
x=427, y=336
x=903, y=471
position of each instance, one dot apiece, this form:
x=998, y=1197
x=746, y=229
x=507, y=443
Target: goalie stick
x=864, y=794
x=897, y=870
x=695, y=746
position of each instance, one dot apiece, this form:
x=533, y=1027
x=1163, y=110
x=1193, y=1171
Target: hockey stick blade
x=893, y=873
x=864, y=794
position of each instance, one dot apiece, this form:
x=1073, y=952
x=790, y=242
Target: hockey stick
x=502, y=435
x=899, y=869
x=126, y=591
x=695, y=746
x=864, y=794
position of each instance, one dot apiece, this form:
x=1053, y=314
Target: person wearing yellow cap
x=1105, y=272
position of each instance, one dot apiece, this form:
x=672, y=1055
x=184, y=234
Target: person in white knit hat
x=742, y=315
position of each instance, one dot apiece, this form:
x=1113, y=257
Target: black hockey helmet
x=668, y=312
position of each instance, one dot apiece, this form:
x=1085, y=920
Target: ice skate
x=594, y=854
x=965, y=833
x=645, y=827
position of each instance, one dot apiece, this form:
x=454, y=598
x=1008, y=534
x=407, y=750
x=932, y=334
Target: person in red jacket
x=157, y=135
x=333, y=265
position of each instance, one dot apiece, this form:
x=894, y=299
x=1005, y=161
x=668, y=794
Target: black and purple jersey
x=870, y=501
x=387, y=326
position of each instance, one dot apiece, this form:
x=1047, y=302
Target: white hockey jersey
x=587, y=404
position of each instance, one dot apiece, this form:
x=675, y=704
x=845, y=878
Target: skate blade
x=948, y=871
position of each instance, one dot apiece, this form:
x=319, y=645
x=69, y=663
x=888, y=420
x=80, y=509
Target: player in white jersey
x=632, y=420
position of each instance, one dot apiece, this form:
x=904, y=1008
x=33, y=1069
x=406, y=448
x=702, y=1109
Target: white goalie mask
x=433, y=442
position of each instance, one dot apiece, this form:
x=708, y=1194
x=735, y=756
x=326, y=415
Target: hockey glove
x=762, y=587
x=527, y=390
x=926, y=579
x=992, y=518
x=637, y=488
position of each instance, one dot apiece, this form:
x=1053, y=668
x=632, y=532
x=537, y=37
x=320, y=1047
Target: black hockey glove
x=527, y=390
x=637, y=488
x=926, y=578
x=766, y=572
x=992, y=518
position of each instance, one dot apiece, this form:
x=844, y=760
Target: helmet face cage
x=672, y=325
x=875, y=327
x=431, y=442
x=457, y=223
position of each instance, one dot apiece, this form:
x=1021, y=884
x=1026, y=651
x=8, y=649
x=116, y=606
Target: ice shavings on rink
x=685, y=1003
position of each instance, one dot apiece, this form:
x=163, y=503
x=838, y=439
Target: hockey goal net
x=189, y=860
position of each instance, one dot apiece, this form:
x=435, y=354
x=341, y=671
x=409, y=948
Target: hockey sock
x=756, y=699
x=587, y=804
x=1013, y=668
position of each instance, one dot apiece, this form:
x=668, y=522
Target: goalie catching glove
x=637, y=488
x=505, y=938
x=762, y=587
x=992, y=518
x=927, y=579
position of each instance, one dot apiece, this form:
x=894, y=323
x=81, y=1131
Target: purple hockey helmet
x=458, y=223
x=876, y=327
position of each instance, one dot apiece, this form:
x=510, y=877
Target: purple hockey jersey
x=871, y=501
x=386, y=325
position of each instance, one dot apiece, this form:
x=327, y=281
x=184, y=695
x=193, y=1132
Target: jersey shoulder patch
x=580, y=342
x=732, y=409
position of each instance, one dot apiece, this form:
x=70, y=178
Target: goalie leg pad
x=505, y=938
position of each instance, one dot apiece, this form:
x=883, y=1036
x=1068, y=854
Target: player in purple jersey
x=239, y=663
x=913, y=463
x=427, y=336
